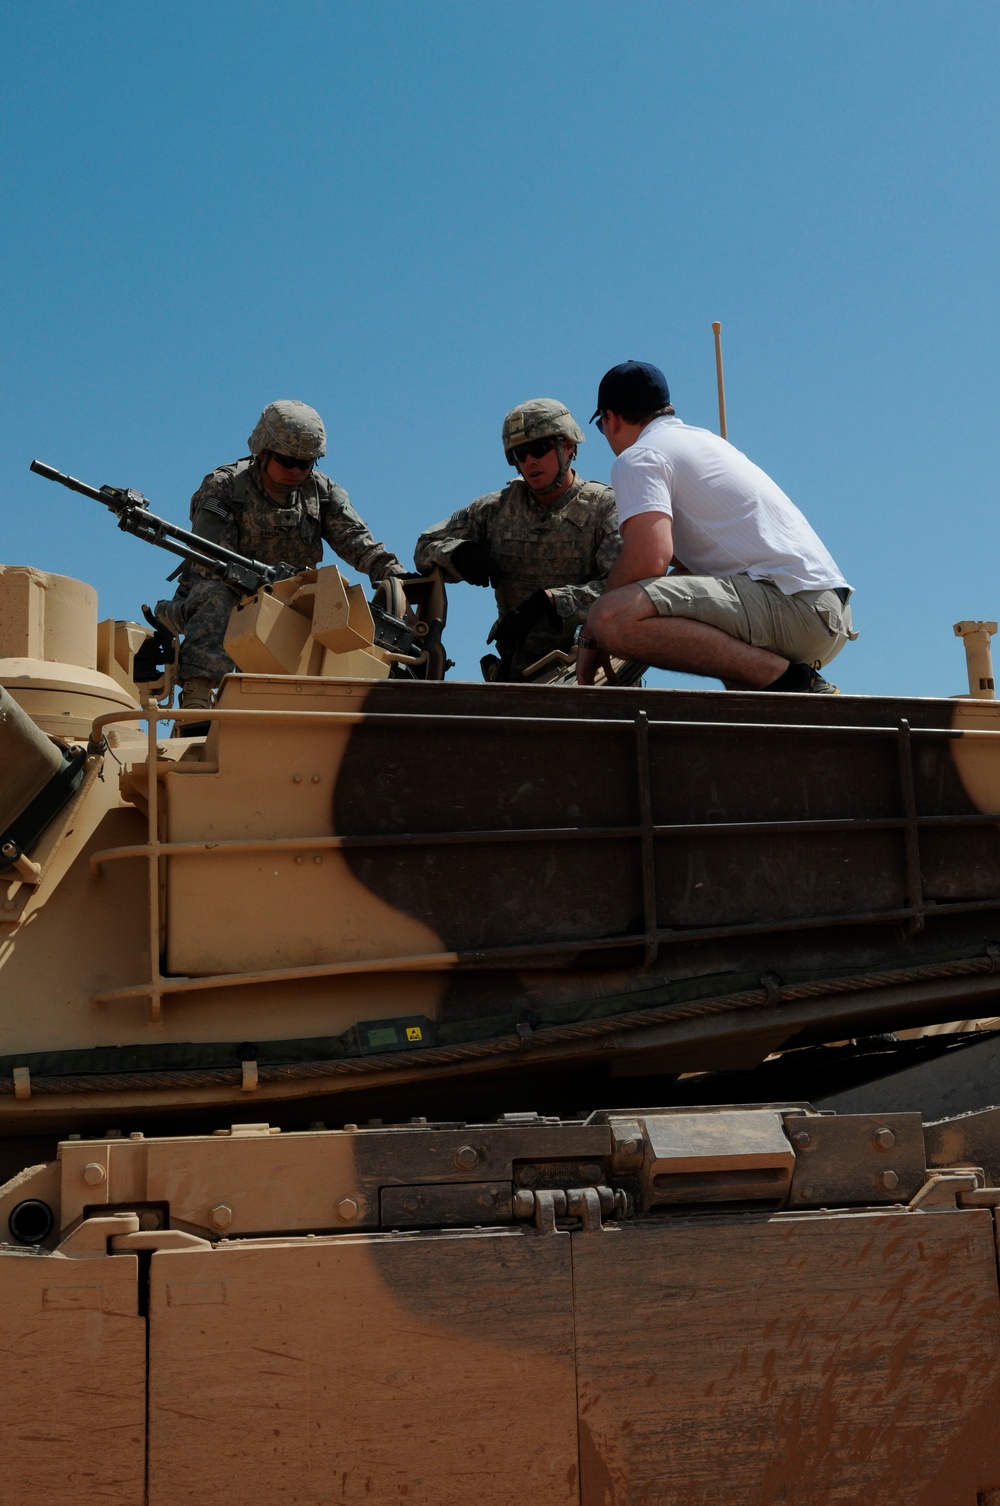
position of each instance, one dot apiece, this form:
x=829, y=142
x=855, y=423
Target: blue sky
x=415, y=216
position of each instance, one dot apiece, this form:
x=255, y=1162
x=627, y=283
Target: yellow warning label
x=414, y=1033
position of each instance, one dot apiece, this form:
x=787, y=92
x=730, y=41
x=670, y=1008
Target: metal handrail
x=491, y=720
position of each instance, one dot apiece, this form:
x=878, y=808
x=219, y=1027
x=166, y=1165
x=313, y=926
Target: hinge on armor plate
x=591, y=1205
x=156, y=1239
x=119, y=1234
x=955, y=1189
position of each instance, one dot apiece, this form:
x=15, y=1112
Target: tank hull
x=443, y=908
x=753, y=1305
x=352, y=889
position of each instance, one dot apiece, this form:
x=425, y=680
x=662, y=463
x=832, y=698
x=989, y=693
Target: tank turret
x=56, y=662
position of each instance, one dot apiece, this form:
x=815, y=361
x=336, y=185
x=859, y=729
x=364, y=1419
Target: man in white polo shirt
x=753, y=597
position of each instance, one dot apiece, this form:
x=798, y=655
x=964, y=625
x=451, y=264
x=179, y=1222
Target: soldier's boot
x=196, y=695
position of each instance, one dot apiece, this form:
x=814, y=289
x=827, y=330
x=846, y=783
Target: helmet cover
x=289, y=427
x=539, y=418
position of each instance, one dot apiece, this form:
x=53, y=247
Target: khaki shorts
x=810, y=627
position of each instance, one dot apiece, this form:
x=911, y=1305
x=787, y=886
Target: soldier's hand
x=156, y=652
x=512, y=629
x=474, y=564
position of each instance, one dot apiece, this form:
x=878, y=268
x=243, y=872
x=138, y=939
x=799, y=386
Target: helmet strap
x=567, y=454
x=275, y=489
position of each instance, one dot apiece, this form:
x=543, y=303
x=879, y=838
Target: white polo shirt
x=729, y=517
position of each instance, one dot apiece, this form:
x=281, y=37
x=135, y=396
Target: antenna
x=717, y=332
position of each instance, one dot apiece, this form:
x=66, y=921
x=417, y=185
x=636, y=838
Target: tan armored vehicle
x=419, y=1090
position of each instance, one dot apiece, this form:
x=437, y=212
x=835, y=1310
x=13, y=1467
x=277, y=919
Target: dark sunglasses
x=536, y=450
x=600, y=424
x=293, y=462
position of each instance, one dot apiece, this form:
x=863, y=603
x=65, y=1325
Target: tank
x=432, y=1091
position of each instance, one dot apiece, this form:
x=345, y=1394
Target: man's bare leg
x=628, y=625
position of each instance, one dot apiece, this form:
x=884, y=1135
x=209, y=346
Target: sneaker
x=803, y=679
x=816, y=684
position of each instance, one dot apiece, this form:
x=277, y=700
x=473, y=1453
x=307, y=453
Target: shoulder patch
x=216, y=505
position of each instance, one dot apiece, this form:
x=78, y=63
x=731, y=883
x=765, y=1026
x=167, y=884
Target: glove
x=155, y=653
x=473, y=563
x=512, y=629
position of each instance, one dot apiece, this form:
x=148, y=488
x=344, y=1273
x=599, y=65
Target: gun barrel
x=51, y=474
x=238, y=570
x=146, y=525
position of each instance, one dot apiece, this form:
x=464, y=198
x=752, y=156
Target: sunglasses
x=600, y=424
x=536, y=450
x=292, y=462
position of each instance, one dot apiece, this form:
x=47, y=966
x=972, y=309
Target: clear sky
x=414, y=216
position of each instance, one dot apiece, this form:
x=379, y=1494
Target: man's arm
x=468, y=525
x=350, y=537
x=212, y=513
x=647, y=549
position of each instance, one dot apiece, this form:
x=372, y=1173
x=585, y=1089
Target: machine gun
x=132, y=511
x=406, y=639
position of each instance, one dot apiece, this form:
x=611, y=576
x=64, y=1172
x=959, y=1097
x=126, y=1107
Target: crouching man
x=753, y=597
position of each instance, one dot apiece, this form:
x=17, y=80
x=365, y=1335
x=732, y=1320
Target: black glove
x=155, y=653
x=473, y=563
x=512, y=629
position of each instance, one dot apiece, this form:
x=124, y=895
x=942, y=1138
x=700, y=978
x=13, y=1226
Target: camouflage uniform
x=232, y=508
x=565, y=547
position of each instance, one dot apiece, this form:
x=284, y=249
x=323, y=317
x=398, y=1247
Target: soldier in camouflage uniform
x=545, y=542
x=275, y=506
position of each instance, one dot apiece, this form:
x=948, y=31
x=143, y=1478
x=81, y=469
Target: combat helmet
x=540, y=418
x=289, y=427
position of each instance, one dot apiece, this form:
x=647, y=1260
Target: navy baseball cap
x=632, y=387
